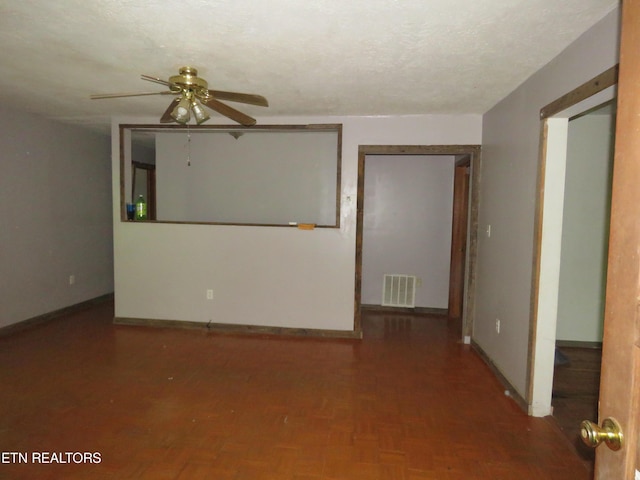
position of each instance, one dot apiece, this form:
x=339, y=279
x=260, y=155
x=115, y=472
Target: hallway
x=407, y=402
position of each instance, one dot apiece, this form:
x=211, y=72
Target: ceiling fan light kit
x=193, y=92
x=181, y=112
x=199, y=112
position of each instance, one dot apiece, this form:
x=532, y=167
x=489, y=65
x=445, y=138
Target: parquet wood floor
x=408, y=402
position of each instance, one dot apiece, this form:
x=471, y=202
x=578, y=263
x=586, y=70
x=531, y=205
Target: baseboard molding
x=229, y=329
x=47, y=317
x=412, y=311
x=520, y=401
x=578, y=344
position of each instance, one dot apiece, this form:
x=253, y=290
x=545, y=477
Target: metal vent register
x=399, y=291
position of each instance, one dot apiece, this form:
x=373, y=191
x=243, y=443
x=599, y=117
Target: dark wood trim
x=537, y=256
x=472, y=268
x=418, y=149
x=460, y=219
x=601, y=82
x=337, y=127
x=357, y=303
x=339, y=178
x=47, y=317
x=474, y=152
x=578, y=344
x=509, y=388
x=417, y=311
x=283, y=127
x=229, y=329
x=122, y=202
x=298, y=226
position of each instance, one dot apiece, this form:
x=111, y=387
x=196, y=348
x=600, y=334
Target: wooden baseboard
x=520, y=401
x=47, y=317
x=229, y=329
x=412, y=311
x=578, y=344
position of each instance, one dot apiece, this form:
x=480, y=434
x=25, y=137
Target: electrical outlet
x=497, y=325
x=419, y=282
x=72, y=279
x=209, y=294
x=488, y=231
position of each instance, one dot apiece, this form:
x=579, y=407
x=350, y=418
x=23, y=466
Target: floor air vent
x=399, y=291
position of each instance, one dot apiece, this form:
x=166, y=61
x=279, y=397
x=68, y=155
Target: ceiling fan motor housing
x=188, y=80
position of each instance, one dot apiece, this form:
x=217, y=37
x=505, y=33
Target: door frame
x=472, y=239
x=459, y=234
x=541, y=336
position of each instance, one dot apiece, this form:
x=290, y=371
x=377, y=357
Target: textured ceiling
x=320, y=57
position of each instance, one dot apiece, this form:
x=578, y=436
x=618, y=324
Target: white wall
x=585, y=228
x=408, y=208
x=267, y=276
x=55, y=216
x=511, y=137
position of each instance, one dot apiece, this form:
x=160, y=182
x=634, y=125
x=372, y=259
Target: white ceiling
x=315, y=57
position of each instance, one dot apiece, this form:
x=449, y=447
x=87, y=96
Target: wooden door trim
x=597, y=84
x=601, y=82
x=461, y=187
x=472, y=248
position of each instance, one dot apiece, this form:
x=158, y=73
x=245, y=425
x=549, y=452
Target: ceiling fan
x=193, y=92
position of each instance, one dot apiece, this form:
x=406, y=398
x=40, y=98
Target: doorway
x=582, y=277
x=473, y=153
x=548, y=231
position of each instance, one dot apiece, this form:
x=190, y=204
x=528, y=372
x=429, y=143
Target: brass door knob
x=610, y=433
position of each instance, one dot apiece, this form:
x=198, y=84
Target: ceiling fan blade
x=230, y=112
x=250, y=98
x=149, y=78
x=166, y=116
x=118, y=95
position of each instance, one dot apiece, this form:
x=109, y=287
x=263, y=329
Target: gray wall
x=55, y=216
x=408, y=208
x=510, y=139
x=265, y=276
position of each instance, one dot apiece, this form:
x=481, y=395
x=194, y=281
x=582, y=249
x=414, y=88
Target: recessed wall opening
x=272, y=175
x=405, y=213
